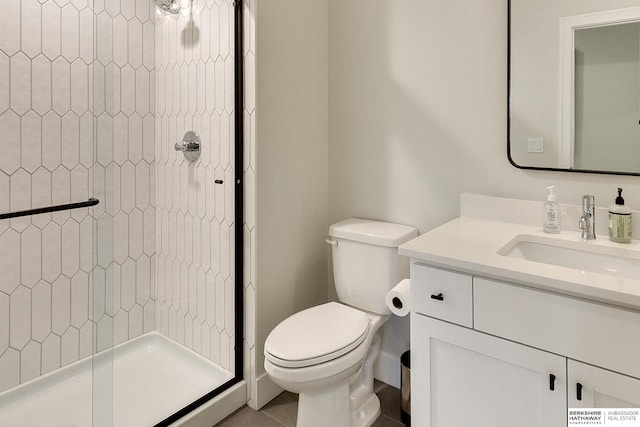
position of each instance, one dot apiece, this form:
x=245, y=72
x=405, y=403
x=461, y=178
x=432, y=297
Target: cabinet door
x=463, y=378
x=591, y=387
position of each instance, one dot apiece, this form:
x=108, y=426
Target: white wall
x=292, y=167
x=418, y=114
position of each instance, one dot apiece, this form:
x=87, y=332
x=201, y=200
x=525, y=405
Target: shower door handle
x=50, y=209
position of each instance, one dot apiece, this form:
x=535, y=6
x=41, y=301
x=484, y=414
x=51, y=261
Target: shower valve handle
x=190, y=146
x=187, y=146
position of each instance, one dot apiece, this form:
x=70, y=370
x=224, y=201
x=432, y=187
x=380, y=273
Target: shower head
x=168, y=6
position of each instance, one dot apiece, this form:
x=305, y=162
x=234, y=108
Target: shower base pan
x=138, y=383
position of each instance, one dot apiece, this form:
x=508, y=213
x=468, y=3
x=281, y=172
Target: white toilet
x=326, y=353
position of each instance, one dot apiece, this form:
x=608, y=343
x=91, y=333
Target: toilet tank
x=366, y=264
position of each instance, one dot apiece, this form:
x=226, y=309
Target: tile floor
x=282, y=411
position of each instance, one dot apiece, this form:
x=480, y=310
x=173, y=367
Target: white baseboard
x=217, y=409
x=266, y=390
x=387, y=369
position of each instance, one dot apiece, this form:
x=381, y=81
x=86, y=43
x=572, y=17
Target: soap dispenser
x=551, y=222
x=620, y=220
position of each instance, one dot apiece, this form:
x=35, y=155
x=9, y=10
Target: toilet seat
x=316, y=335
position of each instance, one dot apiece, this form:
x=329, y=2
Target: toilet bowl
x=332, y=377
x=326, y=353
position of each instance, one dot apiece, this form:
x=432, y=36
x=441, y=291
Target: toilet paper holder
x=398, y=299
x=397, y=303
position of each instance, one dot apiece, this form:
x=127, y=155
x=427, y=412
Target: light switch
x=536, y=145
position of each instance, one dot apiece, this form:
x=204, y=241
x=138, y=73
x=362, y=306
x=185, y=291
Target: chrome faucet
x=588, y=219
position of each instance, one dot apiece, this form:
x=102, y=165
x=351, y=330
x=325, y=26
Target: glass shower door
x=47, y=257
x=164, y=284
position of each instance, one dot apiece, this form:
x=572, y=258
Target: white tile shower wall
x=124, y=107
x=194, y=215
x=47, y=99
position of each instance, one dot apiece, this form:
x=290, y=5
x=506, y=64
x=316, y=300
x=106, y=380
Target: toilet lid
x=316, y=335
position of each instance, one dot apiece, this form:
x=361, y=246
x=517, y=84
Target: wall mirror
x=574, y=85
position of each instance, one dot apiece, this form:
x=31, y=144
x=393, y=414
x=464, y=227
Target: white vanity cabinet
x=463, y=378
x=491, y=354
x=592, y=387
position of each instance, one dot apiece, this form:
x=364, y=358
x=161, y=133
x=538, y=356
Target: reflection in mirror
x=574, y=85
x=607, y=98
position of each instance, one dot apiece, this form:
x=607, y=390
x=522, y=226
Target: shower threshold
x=138, y=383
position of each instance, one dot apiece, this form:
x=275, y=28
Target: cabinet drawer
x=442, y=294
x=594, y=333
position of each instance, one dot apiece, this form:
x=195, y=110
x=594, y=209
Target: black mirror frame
x=513, y=163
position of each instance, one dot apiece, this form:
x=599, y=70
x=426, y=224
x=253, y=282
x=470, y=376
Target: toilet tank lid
x=373, y=232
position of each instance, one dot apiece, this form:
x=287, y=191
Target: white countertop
x=471, y=245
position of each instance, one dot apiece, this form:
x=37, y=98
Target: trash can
x=405, y=388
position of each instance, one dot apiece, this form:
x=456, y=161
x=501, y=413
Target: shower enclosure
x=120, y=257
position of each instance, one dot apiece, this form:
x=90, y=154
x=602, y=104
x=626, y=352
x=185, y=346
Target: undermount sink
x=612, y=261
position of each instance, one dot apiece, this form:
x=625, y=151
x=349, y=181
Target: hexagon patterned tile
x=49, y=89
x=164, y=228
